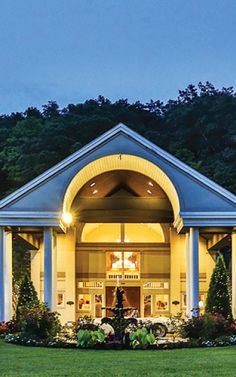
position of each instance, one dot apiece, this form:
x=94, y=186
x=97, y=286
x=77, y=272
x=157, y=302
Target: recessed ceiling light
x=92, y=184
x=95, y=192
x=149, y=192
x=150, y=183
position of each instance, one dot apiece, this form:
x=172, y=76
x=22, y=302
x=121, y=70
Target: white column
x=233, y=238
x=194, y=270
x=50, y=273
x=35, y=269
x=188, y=291
x=5, y=275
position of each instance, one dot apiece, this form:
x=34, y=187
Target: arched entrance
x=122, y=220
x=122, y=162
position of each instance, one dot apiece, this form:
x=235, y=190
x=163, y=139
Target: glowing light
x=201, y=304
x=95, y=192
x=67, y=218
x=92, y=184
x=150, y=183
x=149, y=192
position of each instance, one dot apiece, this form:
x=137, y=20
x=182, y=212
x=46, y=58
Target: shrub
x=206, y=327
x=87, y=323
x=68, y=333
x=218, y=297
x=27, y=296
x=3, y=329
x=142, y=338
x=8, y=327
x=89, y=338
x=39, y=321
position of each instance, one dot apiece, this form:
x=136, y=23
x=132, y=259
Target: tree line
x=199, y=128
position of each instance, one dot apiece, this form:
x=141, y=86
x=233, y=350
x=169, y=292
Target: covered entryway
x=124, y=180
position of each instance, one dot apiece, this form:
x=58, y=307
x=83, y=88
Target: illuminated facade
x=118, y=211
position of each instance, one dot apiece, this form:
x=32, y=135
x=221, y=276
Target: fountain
x=118, y=321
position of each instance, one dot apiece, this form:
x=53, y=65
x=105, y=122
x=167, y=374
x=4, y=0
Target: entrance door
x=131, y=298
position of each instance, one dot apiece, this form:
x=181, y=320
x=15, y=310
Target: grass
x=21, y=361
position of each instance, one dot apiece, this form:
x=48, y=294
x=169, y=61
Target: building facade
x=119, y=211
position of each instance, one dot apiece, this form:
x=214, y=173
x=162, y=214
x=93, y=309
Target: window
x=96, y=232
x=60, y=299
x=161, y=303
x=138, y=232
x=156, y=285
x=147, y=304
x=84, y=301
x=123, y=264
x=122, y=232
x=98, y=305
x=90, y=284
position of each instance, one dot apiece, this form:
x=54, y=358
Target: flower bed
x=204, y=331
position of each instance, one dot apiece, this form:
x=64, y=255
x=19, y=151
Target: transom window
x=120, y=232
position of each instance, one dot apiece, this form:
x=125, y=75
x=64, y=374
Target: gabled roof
x=188, y=174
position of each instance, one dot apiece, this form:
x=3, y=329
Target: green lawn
x=24, y=361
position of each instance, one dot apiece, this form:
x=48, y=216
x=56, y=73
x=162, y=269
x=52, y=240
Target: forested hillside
x=199, y=128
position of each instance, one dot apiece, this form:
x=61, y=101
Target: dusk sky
x=73, y=50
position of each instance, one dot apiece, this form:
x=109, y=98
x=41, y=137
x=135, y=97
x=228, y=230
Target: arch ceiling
x=121, y=162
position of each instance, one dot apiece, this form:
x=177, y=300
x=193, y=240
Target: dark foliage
x=9, y=327
x=199, y=127
x=206, y=327
x=27, y=297
x=39, y=321
x=218, y=297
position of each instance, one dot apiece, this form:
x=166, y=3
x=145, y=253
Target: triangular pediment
x=197, y=193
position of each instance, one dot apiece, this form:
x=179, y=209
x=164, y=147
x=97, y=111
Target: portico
x=118, y=208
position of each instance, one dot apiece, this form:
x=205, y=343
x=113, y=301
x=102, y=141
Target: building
x=120, y=209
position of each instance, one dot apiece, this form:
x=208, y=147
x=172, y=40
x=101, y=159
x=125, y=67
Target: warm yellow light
x=201, y=304
x=67, y=218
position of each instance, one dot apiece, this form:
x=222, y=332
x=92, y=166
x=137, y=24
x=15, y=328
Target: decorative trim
x=31, y=214
x=202, y=276
x=207, y=215
x=155, y=275
x=124, y=246
x=60, y=275
x=31, y=218
x=90, y=275
x=205, y=219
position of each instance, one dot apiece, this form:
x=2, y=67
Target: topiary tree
x=218, y=296
x=28, y=297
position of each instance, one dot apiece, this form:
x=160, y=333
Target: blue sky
x=73, y=50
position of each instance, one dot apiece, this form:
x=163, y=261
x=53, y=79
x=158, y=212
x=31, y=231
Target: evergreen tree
x=27, y=295
x=218, y=297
